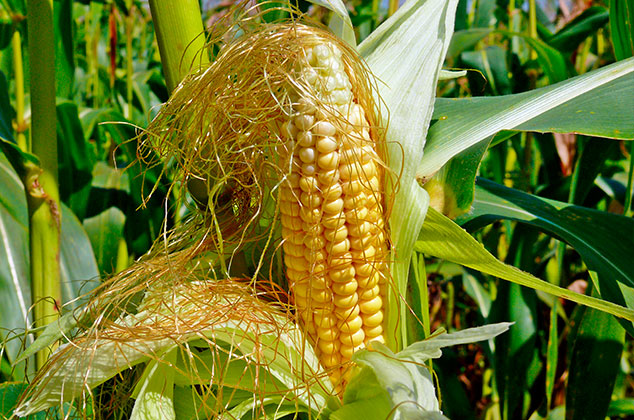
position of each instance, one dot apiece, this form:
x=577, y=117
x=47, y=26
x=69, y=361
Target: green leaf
x=15, y=285
x=417, y=37
x=581, y=27
x=594, y=364
x=154, y=392
x=622, y=28
x=273, y=343
x=584, y=104
x=491, y=62
x=442, y=238
x=105, y=230
x=79, y=273
x=603, y=240
x=10, y=394
x=64, y=49
x=400, y=386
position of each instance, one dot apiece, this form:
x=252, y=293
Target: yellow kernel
x=342, y=275
x=313, y=256
x=329, y=177
x=296, y=263
x=309, y=215
x=351, y=325
x=345, y=288
x=292, y=223
x=328, y=347
x=320, y=295
x=371, y=306
x=326, y=145
x=315, y=242
x=289, y=208
x=327, y=334
x=293, y=249
x=292, y=180
x=340, y=248
x=355, y=229
x=369, y=293
x=295, y=275
x=350, y=170
x=334, y=206
x=332, y=192
x=308, y=184
x=372, y=320
x=347, y=313
x=355, y=201
x=304, y=122
x=342, y=301
x=364, y=269
x=364, y=254
x=324, y=319
x=341, y=261
x=374, y=332
x=352, y=339
x=336, y=235
x=310, y=200
x=329, y=161
x=346, y=351
x=330, y=360
x=357, y=215
x=357, y=243
x=307, y=154
x=333, y=221
x=352, y=187
x=305, y=139
x=312, y=229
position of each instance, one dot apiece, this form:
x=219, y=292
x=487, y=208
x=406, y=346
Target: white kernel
x=326, y=144
x=324, y=128
x=305, y=139
x=307, y=154
x=304, y=122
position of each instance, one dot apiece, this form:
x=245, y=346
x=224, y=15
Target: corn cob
x=331, y=209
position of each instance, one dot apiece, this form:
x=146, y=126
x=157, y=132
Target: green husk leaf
x=340, y=23
x=417, y=37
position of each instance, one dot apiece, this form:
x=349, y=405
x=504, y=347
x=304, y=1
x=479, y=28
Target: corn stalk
x=41, y=182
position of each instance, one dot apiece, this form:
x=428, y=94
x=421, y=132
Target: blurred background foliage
x=560, y=361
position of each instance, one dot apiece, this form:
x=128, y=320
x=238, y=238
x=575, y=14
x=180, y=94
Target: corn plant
x=315, y=176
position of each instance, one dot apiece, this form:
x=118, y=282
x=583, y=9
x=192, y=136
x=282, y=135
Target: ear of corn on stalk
x=331, y=208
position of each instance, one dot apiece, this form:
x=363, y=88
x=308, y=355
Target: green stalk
x=129, y=26
x=41, y=183
x=392, y=7
x=181, y=38
x=630, y=185
x=532, y=25
x=18, y=74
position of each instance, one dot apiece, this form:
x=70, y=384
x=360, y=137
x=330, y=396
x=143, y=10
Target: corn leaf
x=88, y=362
x=442, y=238
x=340, y=23
x=603, y=240
x=416, y=37
x=155, y=391
x=400, y=386
x=584, y=104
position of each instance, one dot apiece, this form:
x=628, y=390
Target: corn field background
x=545, y=187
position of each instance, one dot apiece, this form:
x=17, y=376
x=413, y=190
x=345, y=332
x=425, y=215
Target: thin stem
x=181, y=39
x=532, y=24
x=41, y=182
x=627, y=211
x=18, y=74
x=392, y=7
x=129, y=26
